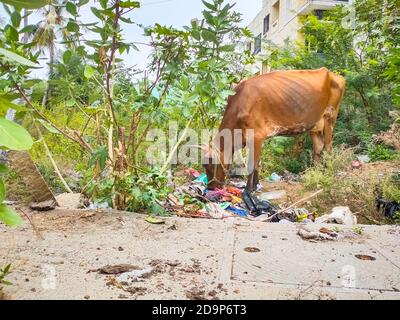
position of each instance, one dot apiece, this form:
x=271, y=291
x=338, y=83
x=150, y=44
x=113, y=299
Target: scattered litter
x=115, y=269
x=216, y=212
x=238, y=211
x=356, y=164
x=224, y=205
x=339, y=215
x=202, y=179
x=216, y=195
x=44, y=205
x=98, y=205
x=238, y=184
x=388, y=208
x=330, y=232
x=195, y=294
x=191, y=172
x=364, y=159
x=365, y=257
x=127, y=278
x=307, y=234
x=252, y=249
x=272, y=195
x=284, y=221
x=294, y=215
x=188, y=212
x=257, y=207
x=233, y=191
x=290, y=177
x=86, y=215
x=154, y=220
x=274, y=177
x=233, y=199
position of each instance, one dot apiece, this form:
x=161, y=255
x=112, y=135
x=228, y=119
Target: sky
x=166, y=12
x=177, y=13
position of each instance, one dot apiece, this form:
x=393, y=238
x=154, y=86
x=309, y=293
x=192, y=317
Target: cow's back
x=284, y=100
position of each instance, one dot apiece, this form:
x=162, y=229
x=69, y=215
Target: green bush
x=381, y=152
x=280, y=154
x=391, y=188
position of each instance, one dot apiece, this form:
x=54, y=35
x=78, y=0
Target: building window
x=266, y=24
x=276, y=11
x=248, y=46
x=257, y=44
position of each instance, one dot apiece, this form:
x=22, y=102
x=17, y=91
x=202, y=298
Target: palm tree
x=46, y=35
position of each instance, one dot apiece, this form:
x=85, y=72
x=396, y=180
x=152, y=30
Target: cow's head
x=214, y=168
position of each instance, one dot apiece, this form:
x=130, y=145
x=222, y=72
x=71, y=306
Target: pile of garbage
x=195, y=200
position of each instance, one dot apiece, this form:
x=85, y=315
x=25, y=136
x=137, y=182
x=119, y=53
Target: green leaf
x=210, y=6
x=9, y=216
x=5, y=104
x=9, y=55
x=196, y=34
x=71, y=8
x=209, y=35
x=209, y=18
x=72, y=26
x=98, y=13
x=26, y=4
x=103, y=3
x=228, y=48
x=16, y=19
x=11, y=33
x=3, y=168
x=129, y=4
x=83, y=2
x=153, y=220
x=67, y=56
x=29, y=29
x=99, y=155
x=13, y=136
x=47, y=126
x=89, y=71
x=2, y=191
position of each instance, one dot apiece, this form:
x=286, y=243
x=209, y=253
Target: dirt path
x=190, y=259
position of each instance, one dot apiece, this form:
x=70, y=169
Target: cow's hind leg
x=254, y=165
x=329, y=124
x=317, y=138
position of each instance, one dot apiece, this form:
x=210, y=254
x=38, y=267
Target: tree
x=367, y=55
x=12, y=66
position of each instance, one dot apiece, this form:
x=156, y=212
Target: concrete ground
x=193, y=259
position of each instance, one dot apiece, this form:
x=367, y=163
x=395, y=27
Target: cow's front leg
x=254, y=165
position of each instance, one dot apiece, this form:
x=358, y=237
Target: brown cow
x=281, y=103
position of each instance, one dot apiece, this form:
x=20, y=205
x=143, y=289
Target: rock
x=70, y=201
x=44, y=205
x=339, y=215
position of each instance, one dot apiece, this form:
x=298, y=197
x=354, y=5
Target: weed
x=4, y=272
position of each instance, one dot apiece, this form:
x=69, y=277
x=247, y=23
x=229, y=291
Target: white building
x=278, y=21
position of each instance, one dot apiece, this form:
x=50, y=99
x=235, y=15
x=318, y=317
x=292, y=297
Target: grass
x=355, y=188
